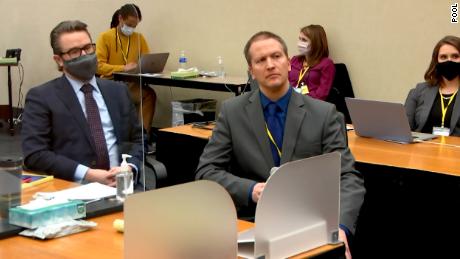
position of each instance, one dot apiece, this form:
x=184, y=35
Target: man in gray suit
x=245, y=145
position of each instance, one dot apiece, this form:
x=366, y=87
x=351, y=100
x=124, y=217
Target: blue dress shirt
x=106, y=121
x=282, y=103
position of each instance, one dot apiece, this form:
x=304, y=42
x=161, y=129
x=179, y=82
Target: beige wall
x=385, y=44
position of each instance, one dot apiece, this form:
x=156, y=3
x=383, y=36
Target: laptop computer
x=382, y=120
x=151, y=63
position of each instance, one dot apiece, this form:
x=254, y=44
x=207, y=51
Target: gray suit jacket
x=238, y=154
x=418, y=106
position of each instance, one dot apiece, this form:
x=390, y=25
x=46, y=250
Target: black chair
x=341, y=88
x=155, y=172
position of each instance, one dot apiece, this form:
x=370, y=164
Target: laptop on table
x=382, y=120
x=151, y=63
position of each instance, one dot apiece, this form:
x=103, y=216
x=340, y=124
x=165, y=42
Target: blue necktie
x=274, y=126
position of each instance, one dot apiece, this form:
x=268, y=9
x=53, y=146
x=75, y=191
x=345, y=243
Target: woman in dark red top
x=312, y=71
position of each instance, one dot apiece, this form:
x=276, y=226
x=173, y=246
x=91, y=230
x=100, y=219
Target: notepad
x=87, y=192
x=29, y=179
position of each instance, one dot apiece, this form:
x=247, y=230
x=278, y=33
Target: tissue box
x=44, y=214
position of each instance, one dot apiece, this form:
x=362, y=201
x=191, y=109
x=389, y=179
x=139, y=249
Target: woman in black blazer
x=434, y=105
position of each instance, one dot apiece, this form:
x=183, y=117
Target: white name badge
x=298, y=90
x=304, y=90
x=441, y=131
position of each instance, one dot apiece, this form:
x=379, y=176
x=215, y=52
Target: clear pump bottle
x=124, y=180
x=220, y=67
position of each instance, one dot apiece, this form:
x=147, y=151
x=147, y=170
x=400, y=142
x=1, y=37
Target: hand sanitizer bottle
x=220, y=68
x=124, y=180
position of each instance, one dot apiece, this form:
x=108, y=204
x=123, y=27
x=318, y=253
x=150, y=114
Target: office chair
x=155, y=172
x=341, y=88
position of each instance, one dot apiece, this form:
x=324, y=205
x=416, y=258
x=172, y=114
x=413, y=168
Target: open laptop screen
x=381, y=120
x=151, y=63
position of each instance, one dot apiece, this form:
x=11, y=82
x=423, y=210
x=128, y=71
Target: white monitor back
x=299, y=208
x=193, y=220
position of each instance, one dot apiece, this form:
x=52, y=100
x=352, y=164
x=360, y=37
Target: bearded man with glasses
x=77, y=126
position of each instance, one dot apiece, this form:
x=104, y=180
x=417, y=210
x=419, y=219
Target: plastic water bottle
x=182, y=60
x=220, y=68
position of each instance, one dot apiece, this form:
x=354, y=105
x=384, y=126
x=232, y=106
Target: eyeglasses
x=76, y=52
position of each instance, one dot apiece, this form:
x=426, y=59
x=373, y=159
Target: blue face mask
x=126, y=30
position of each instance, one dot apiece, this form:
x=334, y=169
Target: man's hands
x=343, y=238
x=257, y=191
x=103, y=176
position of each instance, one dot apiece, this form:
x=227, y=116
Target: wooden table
x=412, y=190
x=440, y=155
x=102, y=242
x=234, y=84
x=412, y=197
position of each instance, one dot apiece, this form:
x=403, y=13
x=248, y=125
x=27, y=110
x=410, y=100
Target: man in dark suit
x=271, y=126
x=76, y=126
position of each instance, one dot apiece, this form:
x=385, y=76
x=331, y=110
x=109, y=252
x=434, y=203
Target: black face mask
x=449, y=69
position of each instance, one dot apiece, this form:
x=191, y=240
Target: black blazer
x=55, y=133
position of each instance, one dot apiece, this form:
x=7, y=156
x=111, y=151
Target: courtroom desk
x=235, y=84
x=438, y=155
x=179, y=149
x=103, y=241
x=412, y=190
x=412, y=198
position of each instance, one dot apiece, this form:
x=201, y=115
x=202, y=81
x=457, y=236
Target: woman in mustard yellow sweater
x=119, y=49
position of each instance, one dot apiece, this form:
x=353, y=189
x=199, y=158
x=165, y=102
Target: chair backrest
x=341, y=88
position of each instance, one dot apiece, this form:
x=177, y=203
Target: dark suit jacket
x=238, y=154
x=55, y=133
x=418, y=106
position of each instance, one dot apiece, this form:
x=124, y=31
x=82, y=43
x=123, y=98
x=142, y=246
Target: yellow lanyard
x=272, y=140
x=125, y=55
x=302, y=73
x=444, y=110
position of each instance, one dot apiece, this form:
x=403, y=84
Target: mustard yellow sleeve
x=104, y=69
